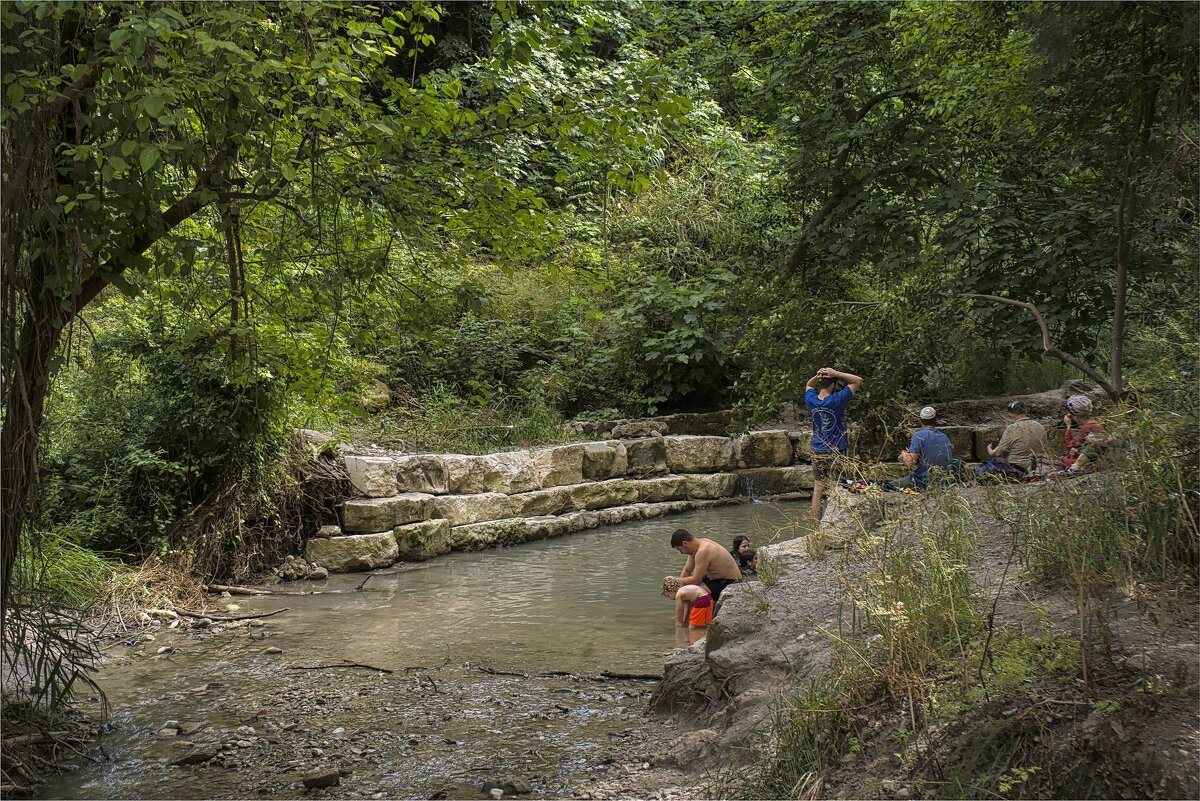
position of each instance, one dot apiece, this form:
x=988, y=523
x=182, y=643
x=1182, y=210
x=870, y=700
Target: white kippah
x=928, y=413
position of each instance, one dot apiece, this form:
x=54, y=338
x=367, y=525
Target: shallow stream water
x=449, y=721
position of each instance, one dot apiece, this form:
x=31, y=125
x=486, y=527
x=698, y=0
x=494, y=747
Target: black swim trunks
x=715, y=586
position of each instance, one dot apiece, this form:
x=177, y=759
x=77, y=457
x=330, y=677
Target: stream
x=448, y=721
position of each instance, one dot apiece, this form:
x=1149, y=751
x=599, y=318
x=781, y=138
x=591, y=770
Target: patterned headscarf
x=1079, y=404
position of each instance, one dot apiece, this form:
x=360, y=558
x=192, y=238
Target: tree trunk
x=24, y=407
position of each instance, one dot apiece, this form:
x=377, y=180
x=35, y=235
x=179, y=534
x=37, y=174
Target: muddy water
x=448, y=721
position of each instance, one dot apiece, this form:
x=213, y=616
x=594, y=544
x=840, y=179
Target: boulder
x=713, y=485
x=698, y=454
x=417, y=542
x=424, y=472
x=372, y=476
x=604, y=460
x=646, y=457
x=559, y=466
x=602, y=494
x=463, y=509
x=479, y=536
x=657, y=490
x=507, y=472
x=353, y=553
x=639, y=428
x=774, y=480
x=375, y=396
x=764, y=449
x=382, y=514
x=541, y=502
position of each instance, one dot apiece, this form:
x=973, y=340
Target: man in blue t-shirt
x=929, y=448
x=827, y=405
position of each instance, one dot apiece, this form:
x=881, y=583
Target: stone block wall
x=415, y=507
x=429, y=504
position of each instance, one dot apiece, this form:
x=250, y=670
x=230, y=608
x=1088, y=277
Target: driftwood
x=346, y=663
x=234, y=589
x=230, y=618
x=605, y=675
x=31, y=739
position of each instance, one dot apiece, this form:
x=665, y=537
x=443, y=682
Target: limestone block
x=355, y=552
x=647, y=457
x=962, y=439
x=639, y=428
x=602, y=494
x=712, y=485
x=579, y=521
x=696, y=454
x=764, y=449
x=604, y=460
x=463, y=509
x=657, y=490
x=980, y=438
x=774, y=480
x=478, y=536
x=425, y=472
x=541, y=528
x=508, y=472
x=559, y=466
x=417, y=542
x=382, y=514
x=801, y=445
x=621, y=514
x=541, y=502
x=372, y=476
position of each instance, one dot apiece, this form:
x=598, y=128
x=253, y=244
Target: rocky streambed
x=524, y=670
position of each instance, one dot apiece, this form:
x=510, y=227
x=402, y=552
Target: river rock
x=317, y=573
x=657, y=490
x=714, y=485
x=763, y=449
x=382, y=514
x=324, y=532
x=372, y=476
x=417, y=542
x=698, y=454
x=478, y=536
x=461, y=510
x=604, y=460
x=322, y=778
x=425, y=472
x=353, y=553
x=646, y=457
x=559, y=466
x=542, y=502
x=197, y=756
x=774, y=480
x=497, y=472
x=510, y=785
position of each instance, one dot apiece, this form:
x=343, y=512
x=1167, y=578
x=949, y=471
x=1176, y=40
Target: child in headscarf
x=1085, y=437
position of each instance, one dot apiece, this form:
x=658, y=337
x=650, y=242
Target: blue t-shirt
x=932, y=449
x=829, y=420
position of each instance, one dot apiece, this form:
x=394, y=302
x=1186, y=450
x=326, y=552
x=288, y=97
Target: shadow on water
x=442, y=721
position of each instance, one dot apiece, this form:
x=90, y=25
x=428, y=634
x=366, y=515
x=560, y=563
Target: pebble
x=274, y=649
x=244, y=744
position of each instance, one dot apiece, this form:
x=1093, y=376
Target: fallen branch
x=605, y=675
x=235, y=590
x=344, y=664
x=229, y=618
x=30, y=739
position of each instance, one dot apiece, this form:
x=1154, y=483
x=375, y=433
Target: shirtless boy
x=708, y=562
